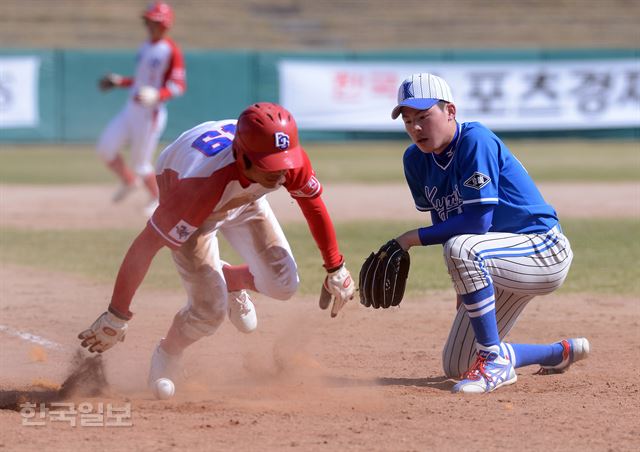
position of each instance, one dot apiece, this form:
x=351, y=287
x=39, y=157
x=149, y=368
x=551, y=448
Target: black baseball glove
x=383, y=276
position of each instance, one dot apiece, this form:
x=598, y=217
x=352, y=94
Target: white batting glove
x=104, y=333
x=147, y=96
x=339, y=287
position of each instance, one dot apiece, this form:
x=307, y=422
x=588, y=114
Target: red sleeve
x=321, y=227
x=306, y=189
x=302, y=182
x=175, y=80
x=126, y=82
x=132, y=271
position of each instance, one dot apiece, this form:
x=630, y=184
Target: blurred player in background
x=159, y=76
x=213, y=178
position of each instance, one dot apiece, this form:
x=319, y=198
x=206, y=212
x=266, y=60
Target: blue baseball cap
x=421, y=91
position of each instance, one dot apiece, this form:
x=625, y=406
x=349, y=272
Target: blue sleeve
x=475, y=219
x=413, y=172
x=479, y=161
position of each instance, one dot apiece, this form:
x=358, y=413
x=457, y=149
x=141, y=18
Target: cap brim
x=289, y=159
x=418, y=104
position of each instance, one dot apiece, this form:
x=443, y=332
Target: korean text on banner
x=523, y=95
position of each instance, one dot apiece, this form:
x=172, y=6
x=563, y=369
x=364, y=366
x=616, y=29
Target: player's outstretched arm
x=111, y=80
x=111, y=326
x=338, y=286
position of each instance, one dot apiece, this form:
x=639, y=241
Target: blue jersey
x=478, y=168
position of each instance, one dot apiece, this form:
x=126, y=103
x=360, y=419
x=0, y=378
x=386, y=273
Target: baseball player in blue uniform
x=503, y=244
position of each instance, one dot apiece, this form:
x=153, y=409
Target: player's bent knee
x=466, y=269
x=449, y=373
x=282, y=288
x=204, y=322
x=278, y=278
x=459, y=248
x=452, y=366
x=106, y=154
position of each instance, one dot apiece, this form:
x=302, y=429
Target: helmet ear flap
x=241, y=156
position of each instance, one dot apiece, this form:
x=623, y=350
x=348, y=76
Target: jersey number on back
x=213, y=141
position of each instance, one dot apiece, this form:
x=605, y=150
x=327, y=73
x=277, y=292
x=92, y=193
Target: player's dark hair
x=442, y=104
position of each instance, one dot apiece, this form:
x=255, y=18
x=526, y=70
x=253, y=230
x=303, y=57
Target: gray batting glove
x=104, y=333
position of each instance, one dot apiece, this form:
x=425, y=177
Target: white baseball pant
x=138, y=126
x=520, y=266
x=254, y=232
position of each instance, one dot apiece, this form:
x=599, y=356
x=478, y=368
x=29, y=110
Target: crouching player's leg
x=495, y=277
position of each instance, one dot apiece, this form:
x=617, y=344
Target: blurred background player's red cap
x=160, y=12
x=267, y=135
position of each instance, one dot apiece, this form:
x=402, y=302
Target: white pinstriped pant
x=520, y=266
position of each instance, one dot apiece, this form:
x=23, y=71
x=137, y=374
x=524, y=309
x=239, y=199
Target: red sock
x=238, y=277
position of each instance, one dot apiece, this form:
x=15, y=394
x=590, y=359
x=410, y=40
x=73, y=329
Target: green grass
x=52, y=165
x=605, y=255
x=359, y=161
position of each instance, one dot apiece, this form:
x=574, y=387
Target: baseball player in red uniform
x=212, y=179
x=159, y=76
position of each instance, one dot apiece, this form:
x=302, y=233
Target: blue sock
x=481, y=309
x=543, y=354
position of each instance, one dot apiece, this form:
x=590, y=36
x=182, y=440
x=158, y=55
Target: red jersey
x=198, y=177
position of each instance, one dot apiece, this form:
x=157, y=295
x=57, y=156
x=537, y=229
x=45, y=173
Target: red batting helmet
x=267, y=135
x=159, y=12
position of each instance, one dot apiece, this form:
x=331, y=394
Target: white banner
x=526, y=95
x=19, y=91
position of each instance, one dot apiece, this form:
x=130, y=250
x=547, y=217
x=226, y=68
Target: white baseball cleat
x=572, y=350
x=242, y=312
x=489, y=372
x=123, y=191
x=164, y=365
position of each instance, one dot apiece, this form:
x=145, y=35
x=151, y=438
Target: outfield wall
x=52, y=95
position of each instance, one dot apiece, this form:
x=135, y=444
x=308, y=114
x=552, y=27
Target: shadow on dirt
x=441, y=383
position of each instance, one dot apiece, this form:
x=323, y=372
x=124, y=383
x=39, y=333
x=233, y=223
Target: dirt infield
x=85, y=206
x=367, y=380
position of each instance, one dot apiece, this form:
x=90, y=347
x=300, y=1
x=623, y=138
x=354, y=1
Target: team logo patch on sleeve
x=182, y=231
x=310, y=189
x=477, y=181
